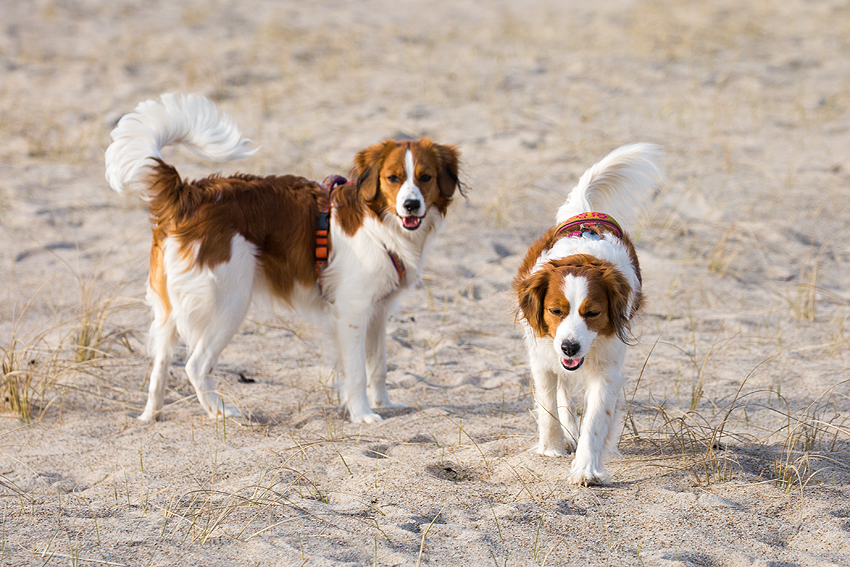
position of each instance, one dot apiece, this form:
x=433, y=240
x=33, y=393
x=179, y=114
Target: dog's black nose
x=411, y=205
x=570, y=348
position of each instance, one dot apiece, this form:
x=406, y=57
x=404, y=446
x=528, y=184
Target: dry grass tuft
x=91, y=335
x=30, y=367
x=710, y=444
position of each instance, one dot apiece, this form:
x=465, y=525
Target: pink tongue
x=410, y=222
x=570, y=363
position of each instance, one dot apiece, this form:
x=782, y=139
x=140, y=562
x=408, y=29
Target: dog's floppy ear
x=619, y=307
x=531, y=295
x=447, y=178
x=367, y=168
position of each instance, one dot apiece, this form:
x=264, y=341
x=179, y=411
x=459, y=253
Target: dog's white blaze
x=409, y=190
x=574, y=328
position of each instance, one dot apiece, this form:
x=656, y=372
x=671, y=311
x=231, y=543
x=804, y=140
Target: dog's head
x=574, y=300
x=407, y=179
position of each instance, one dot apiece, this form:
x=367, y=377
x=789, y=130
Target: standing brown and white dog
x=220, y=241
x=578, y=289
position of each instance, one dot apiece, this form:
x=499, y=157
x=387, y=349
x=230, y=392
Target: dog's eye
x=425, y=178
x=556, y=312
x=393, y=179
x=591, y=314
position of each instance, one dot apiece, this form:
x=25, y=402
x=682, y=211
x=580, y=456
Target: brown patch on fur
x=157, y=277
x=349, y=210
x=277, y=214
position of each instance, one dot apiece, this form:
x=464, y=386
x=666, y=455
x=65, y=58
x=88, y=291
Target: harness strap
x=323, y=226
x=397, y=264
x=586, y=221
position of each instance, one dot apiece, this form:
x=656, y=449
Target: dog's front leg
x=351, y=336
x=376, y=358
x=566, y=415
x=552, y=442
x=597, y=426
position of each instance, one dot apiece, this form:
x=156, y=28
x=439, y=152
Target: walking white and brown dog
x=338, y=254
x=578, y=289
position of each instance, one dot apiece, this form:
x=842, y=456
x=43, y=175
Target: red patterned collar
x=585, y=222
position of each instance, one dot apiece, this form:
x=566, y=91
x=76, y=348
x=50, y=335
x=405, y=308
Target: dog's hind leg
x=200, y=368
x=163, y=332
x=163, y=336
x=216, y=301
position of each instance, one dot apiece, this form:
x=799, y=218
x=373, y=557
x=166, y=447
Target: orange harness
x=323, y=225
x=323, y=222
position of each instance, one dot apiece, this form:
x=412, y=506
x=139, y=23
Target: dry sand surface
x=736, y=440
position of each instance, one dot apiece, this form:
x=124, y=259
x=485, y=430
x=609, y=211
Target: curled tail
x=191, y=120
x=619, y=185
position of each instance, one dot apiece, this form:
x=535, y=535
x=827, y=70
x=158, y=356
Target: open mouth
x=572, y=364
x=411, y=222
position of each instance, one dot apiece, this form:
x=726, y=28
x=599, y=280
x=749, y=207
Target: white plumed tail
x=619, y=185
x=191, y=120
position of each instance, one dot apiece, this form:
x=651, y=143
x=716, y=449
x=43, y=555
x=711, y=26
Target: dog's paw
x=366, y=418
x=552, y=451
x=587, y=476
x=148, y=417
x=388, y=404
x=380, y=398
x=225, y=412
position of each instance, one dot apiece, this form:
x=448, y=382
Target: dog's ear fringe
x=619, y=305
x=447, y=179
x=531, y=294
x=367, y=166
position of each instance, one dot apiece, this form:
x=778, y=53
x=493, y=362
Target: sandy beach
x=735, y=447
